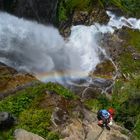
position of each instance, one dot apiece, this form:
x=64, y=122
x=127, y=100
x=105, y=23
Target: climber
x=105, y=117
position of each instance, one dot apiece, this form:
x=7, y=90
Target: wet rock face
x=113, y=45
x=6, y=121
x=88, y=18
x=43, y=11
x=83, y=18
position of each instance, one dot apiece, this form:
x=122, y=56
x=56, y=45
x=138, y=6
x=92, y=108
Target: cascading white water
x=35, y=48
x=39, y=49
x=119, y=22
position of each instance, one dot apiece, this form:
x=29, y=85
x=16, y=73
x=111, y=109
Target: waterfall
x=40, y=50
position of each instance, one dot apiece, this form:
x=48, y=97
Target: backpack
x=105, y=113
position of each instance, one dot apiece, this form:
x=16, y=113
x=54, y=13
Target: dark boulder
x=6, y=120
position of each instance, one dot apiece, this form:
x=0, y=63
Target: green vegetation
x=137, y=129
x=60, y=90
x=129, y=63
x=62, y=12
x=31, y=117
x=18, y=103
x=35, y=120
x=66, y=7
x=134, y=39
x=126, y=95
x=125, y=100
x=96, y=104
x=132, y=7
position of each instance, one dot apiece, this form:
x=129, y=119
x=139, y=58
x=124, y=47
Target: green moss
x=78, y=4
x=36, y=121
x=104, y=70
x=96, y=104
x=136, y=132
x=128, y=65
x=66, y=7
x=52, y=136
x=62, y=12
x=60, y=90
x=135, y=39
x=7, y=135
x=92, y=104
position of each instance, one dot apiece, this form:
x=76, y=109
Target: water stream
x=40, y=50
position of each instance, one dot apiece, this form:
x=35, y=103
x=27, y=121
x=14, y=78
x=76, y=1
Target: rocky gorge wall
x=38, y=10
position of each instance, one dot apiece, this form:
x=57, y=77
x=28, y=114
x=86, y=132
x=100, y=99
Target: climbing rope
x=99, y=134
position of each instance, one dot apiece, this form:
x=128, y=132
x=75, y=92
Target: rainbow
x=59, y=75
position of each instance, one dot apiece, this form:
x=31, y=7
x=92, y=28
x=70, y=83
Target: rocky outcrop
x=6, y=121
x=21, y=134
x=113, y=45
x=10, y=79
x=83, y=18
x=39, y=10
x=72, y=120
x=88, y=18
x=91, y=131
x=59, y=116
x=84, y=13
x=105, y=69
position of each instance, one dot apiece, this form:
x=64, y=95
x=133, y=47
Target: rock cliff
x=38, y=10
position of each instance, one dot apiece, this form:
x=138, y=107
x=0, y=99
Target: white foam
x=35, y=48
x=119, y=22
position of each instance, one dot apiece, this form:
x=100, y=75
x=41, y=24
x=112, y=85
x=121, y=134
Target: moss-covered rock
x=75, y=12
x=105, y=69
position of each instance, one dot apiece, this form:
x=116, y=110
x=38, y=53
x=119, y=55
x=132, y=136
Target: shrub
x=52, y=136
x=36, y=121
x=22, y=100
x=60, y=90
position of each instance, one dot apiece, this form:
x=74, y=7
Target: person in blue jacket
x=105, y=117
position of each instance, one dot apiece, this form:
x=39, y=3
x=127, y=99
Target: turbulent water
x=38, y=49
